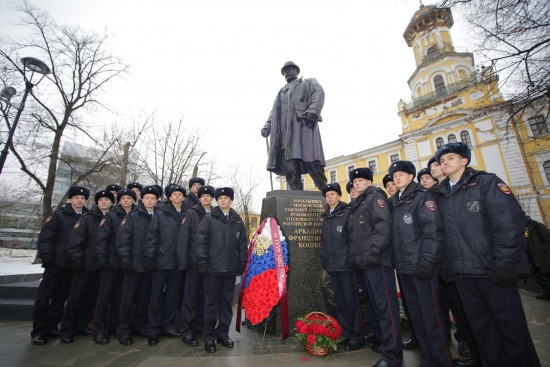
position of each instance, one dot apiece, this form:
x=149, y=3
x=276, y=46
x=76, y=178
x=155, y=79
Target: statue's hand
x=265, y=132
x=311, y=117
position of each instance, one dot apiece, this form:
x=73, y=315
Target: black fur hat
x=206, y=190
x=349, y=185
x=150, y=190
x=227, y=191
x=332, y=187
x=195, y=180
x=387, y=178
x=432, y=160
x=402, y=166
x=132, y=185
x=424, y=171
x=104, y=194
x=78, y=190
x=170, y=189
x=159, y=188
x=113, y=187
x=456, y=148
x=123, y=192
x=364, y=172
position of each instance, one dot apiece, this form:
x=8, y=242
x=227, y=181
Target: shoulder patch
x=48, y=219
x=504, y=188
x=102, y=222
x=123, y=222
x=381, y=203
x=430, y=205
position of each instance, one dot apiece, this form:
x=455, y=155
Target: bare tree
x=244, y=182
x=513, y=38
x=81, y=66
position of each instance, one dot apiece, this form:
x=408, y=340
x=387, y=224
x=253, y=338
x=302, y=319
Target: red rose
x=311, y=339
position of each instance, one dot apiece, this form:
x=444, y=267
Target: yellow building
x=453, y=101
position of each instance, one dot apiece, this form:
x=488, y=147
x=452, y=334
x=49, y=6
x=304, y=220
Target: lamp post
x=34, y=66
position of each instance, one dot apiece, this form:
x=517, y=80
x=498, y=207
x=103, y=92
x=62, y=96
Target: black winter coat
x=189, y=232
x=335, y=252
x=484, y=225
x=82, y=243
x=161, y=239
x=130, y=240
x=54, y=235
x=417, y=229
x=106, y=236
x=222, y=245
x=190, y=201
x=370, y=227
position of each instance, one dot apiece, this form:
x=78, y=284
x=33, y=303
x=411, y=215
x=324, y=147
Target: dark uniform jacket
x=190, y=201
x=82, y=245
x=52, y=240
x=130, y=238
x=222, y=245
x=539, y=245
x=161, y=239
x=370, y=227
x=189, y=232
x=106, y=236
x=484, y=225
x=417, y=229
x=335, y=253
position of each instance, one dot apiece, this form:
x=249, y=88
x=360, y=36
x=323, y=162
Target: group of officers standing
x=456, y=241
x=129, y=264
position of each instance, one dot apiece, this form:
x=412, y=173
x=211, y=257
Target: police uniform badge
x=430, y=205
x=76, y=225
x=407, y=219
x=102, y=222
x=381, y=203
x=504, y=188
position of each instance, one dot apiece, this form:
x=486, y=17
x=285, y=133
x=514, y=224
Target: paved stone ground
x=249, y=351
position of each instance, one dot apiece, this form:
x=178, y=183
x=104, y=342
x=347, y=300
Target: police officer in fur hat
x=192, y=198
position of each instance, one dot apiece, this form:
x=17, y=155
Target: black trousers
x=166, y=286
x=218, y=293
x=347, y=305
x=192, y=309
x=427, y=319
x=382, y=290
x=497, y=320
x=136, y=289
x=370, y=315
x=50, y=299
x=79, y=309
x=106, y=316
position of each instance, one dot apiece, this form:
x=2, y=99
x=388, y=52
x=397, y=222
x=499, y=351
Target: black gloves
x=265, y=132
x=126, y=264
x=373, y=258
x=48, y=262
x=204, y=270
x=77, y=265
x=425, y=270
x=149, y=263
x=504, y=276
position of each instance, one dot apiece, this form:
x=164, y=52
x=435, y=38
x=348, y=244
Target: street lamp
x=32, y=66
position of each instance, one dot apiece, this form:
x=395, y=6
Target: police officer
x=193, y=300
x=221, y=256
x=336, y=260
x=136, y=187
x=425, y=178
x=485, y=254
x=389, y=185
x=168, y=262
x=370, y=223
x=82, y=251
x=417, y=248
x=137, y=279
x=192, y=198
x=106, y=316
x=52, y=248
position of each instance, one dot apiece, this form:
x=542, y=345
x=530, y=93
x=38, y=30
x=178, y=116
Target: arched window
x=452, y=138
x=439, y=85
x=465, y=138
x=546, y=166
x=439, y=142
x=432, y=53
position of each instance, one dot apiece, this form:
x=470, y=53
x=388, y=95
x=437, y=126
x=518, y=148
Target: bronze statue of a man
x=295, y=146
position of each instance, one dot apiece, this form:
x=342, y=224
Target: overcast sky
x=217, y=63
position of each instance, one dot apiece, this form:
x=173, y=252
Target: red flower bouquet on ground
x=319, y=333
